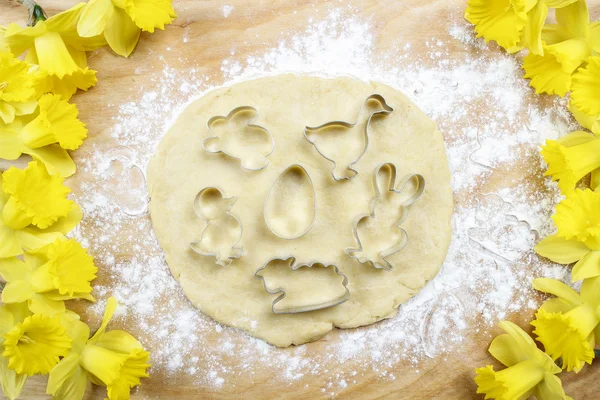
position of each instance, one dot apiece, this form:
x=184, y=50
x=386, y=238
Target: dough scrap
x=287, y=104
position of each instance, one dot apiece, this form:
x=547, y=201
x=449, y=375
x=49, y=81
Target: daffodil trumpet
x=529, y=370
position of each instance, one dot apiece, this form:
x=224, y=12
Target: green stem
x=36, y=13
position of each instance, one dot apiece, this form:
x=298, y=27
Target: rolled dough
x=286, y=104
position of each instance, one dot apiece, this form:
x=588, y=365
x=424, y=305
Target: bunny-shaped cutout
x=223, y=231
x=328, y=286
x=236, y=137
x=345, y=143
x=379, y=234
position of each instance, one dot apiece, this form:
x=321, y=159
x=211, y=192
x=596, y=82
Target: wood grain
x=254, y=26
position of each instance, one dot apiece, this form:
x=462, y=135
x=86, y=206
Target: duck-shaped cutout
x=223, y=231
x=379, y=234
x=236, y=136
x=345, y=143
x=303, y=287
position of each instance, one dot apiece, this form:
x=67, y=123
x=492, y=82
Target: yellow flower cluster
x=41, y=268
x=562, y=57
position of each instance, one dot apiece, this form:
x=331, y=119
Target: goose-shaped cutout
x=345, y=143
x=291, y=204
x=379, y=234
x=223, y=231
x=303, y=287
x=236, y=136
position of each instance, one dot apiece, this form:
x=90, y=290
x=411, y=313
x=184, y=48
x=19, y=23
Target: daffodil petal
x=95, y=17
x=61, y=372
x=111, y=307
x=560, y=250
x=559, y=3
x=150, y=14
x=550, y=389
x=67, y=85
x=79, y=333
x=586, y=87
x=121, y=33
x=66, y=20
x=119, y=341
x=55, y=158
x=570, y=54
x=17, y=292
x=575, y=138
x=32, y=239
x=13, y=269
x=590, y=292
x=595, y=180
x=9, y=245
x=25, y=108
x=587, y=267
x=12, y=383
x=53, y=55
x=41, y=304
x=558, y=289
x=594, y=38
x=6, y=322
x=533, y=30
x=504, y=349
x=74, y=386
x=11, y=146
x=7, y=112
x=556, y=305
x=498, y=20
x=574, y=18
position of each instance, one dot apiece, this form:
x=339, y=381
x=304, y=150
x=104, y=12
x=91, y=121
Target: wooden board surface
x=252, y=26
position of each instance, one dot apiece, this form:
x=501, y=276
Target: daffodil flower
x=46, y=135
x=567, y=325
x=59, y=271
x=121, y=21
x=10, y=381
x=530, y=371
x=34, y=210
x=571, y=158
x=114, y=359
x=578, y=238
x=35, y=345
x=54, y=45
x=566, y=46
x=17, y=88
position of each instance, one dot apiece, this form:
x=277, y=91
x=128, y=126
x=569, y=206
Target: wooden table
x=204, y=24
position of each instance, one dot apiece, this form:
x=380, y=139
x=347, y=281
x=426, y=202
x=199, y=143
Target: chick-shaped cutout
x=327, y=286
x=236, y=136
x=345, y=143
x=379, y=234
x=222, y=232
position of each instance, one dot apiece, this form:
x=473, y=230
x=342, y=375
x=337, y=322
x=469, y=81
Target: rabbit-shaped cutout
x=345, y=143
x=303, y=287
x=223, y=231
x=236, y=137
x=379, y=234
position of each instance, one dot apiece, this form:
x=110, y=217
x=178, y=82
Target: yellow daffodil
x=121, y=21
x=498, y=20
x=17, y=88
x=35, y=345
x=10, y=381
x=54, y=45
x=567, y=325
x=59, y=271
x=28, y=196
x=46, y=135
x=530, y=371
x=114, y=359
x=566, y=46
x=578, y=238
x=571, y=158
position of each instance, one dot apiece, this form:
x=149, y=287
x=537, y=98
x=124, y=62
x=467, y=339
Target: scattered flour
x=502, y=207
x=226, y=9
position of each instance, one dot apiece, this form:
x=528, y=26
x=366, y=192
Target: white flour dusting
x=501, y=207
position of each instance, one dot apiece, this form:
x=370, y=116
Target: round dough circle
x=286, y=104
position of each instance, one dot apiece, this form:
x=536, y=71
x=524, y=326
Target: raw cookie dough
x=286, y=104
